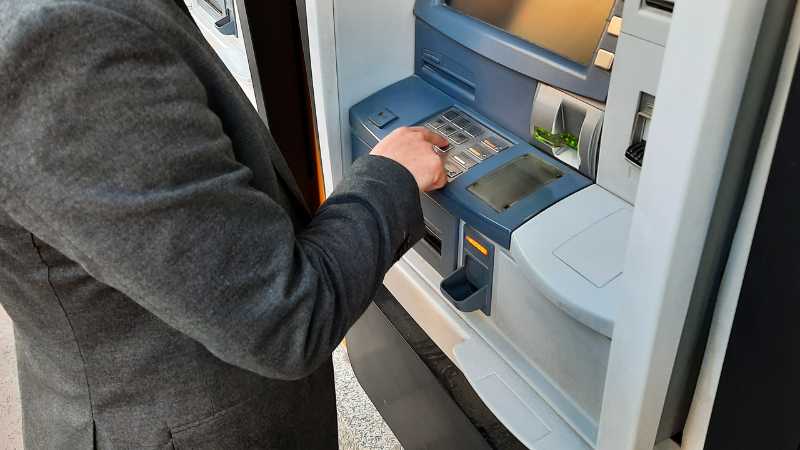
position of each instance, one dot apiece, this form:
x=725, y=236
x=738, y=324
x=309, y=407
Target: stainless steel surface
x=470, y=141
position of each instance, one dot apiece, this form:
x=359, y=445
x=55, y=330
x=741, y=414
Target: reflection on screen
x=571, y=28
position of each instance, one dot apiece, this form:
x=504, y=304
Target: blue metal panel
x=494, y=90
x=515, y=53
x=412, y=100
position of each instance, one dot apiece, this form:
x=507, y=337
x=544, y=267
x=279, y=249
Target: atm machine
x=533, y=283
x=224, y=24
x=562, y=295
x=527, y=242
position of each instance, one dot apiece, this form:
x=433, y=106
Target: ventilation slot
x=432, y=239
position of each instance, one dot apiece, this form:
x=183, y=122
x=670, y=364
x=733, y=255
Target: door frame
x=758, y=393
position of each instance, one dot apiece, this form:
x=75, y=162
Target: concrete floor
x=10, y=420
x=360, y=425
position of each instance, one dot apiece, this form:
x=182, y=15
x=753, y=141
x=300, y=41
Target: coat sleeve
x=112, y=156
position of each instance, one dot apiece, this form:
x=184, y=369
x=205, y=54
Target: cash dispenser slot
x=439, y=244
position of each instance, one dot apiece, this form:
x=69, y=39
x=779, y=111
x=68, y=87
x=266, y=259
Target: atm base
x=421, y=394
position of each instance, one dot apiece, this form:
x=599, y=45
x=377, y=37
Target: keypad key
x=459, y=138
x=452, y=115
x=437, y=123
x=479, y=152
x=452, y=169
x=462, y=122
x=474, y=130
x=464, y=160
x=448, y=129
x=494, y=144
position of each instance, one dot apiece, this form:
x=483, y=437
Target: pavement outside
x=360, y=425
x=10, y=414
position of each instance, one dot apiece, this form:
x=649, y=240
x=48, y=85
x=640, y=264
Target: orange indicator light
x=478, y=246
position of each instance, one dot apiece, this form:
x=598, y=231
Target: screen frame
x=518, y=54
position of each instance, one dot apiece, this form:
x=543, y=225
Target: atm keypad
x=470, y=142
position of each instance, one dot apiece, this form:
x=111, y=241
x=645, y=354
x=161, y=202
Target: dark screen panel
x=514, y=181
x=570, y=28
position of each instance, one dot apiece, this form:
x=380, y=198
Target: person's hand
x=413, y=149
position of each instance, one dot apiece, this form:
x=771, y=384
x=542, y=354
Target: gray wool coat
x=168, y=288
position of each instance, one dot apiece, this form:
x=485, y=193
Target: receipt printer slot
x=439, y=244
x=470, y=287
x=432, y=239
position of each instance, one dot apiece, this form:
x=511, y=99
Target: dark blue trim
x=413, y=100
x=516, y=53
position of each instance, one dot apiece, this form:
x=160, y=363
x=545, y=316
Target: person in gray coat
x=167, y=286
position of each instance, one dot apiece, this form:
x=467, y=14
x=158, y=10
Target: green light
x=555, y=139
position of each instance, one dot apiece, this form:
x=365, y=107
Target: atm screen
x=570, y=28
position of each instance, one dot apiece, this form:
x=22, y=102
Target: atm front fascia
x=522, y=243
x=527, y=242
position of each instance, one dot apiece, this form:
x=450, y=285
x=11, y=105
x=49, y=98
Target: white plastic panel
x=521, y=409
x=325, y=81
x=513, y=390
x=698, y=97
x=374, y=48
x=637, y=69
x=536, y=246
x=645, y=22
x=559, y=356
x=598, y=253
x=356, y=48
